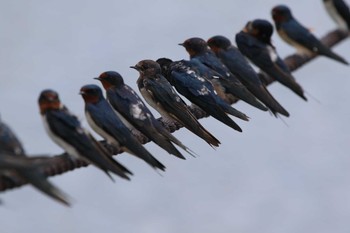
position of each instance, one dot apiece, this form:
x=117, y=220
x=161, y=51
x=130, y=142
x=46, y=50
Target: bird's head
x=147, y=67
x=218, y=42
x=195, y=46
x=49, y=100
x=164, y=64
x=110, y=79
x=91, y=93
x=260, y=29
x=281, y=13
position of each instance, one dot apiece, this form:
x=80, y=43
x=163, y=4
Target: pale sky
x=277, y=176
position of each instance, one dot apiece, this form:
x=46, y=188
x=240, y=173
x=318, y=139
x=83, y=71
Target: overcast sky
x=277, y=176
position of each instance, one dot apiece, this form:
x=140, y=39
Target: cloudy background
x=277, y=176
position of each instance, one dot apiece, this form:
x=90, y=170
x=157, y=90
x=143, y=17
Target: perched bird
x=102, y=118
x=254, y=42
x=292, y=32
x=239, y=66
x=65, y=130
x=9, y=143
x=185, y=78
x=30, y=169
x=16, y=166
x=135, y=114
x=198, y=48
x=339, y=12
x=159, y=93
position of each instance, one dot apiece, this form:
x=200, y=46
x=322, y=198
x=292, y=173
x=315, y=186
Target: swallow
x=292, y=32
x=30, y=170
x=17, y=167
x=104, y=121
x=198, y=48
x=183, y=75
x=238, y=65
x=9, y=143
x=339, y=12
x=254, y=42
x=159, y=93
x=65, y=130
x=135, y=113
x=203, y=73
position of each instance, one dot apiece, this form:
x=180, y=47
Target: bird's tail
x=161, y=138
x=219, y=113
x=105, y=162
x=189, y=121
x=207, y=136
x=287, y=80
x=139, y=151
x=265, y=96
x=329, y=53
x=232, y=111
x=173, y=139
x=41, y=183
x=241, y=92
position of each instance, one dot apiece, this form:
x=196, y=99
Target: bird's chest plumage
x=300, y=48
x=147, y=95
x=58, y=140
x=333, y=12
x=110, y=139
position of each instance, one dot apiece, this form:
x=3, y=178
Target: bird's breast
x=333, y=12
x=59, y=141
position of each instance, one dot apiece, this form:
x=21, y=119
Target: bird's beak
x=245, y=29
x=97, y=78
x=135, y=67
x=181, y=44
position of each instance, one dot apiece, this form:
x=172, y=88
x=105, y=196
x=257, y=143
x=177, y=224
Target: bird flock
x=216, y=74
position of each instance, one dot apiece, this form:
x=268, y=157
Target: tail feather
x=177, y=142
x=142, y=153
x=208, y=137
x=220, y=115
x=189, y=121
x=241, y=92
x=232, y=111
x=41, y=183
x=163, y=141
x=287, y=80
x=265, y=96
x=106, y=163
x=328, y=53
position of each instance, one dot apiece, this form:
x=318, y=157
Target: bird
x=9, y=142
x=254, y=42
x=65, y=130
x=159, y=93
x=30, y=170
x=196, y=88
x=239, y=66
x=292, y=32
x=104, y=121
x=135, y=113
x=339, y=12
x=15, y=166
x=198, y=48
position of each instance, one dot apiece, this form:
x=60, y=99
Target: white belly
x=111, y=140
x=335, y=16
x=64, y=145
x=300, y=49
